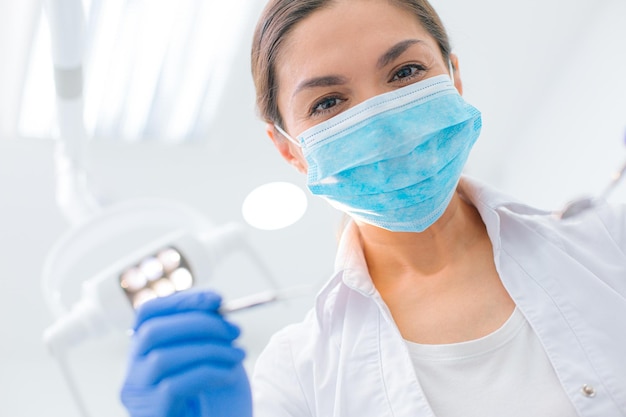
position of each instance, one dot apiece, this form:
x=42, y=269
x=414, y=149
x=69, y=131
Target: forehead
x=331, y=38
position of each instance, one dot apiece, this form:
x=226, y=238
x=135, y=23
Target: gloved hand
x=183, y=363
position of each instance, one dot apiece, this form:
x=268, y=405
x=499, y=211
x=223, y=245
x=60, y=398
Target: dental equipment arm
x=74, y=197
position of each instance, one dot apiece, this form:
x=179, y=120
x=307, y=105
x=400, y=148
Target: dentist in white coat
x=449, y=298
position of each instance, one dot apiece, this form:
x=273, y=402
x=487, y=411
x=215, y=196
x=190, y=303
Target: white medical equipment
x=577, y=206
x=126, y=253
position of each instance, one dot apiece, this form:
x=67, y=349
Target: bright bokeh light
x=274, y=206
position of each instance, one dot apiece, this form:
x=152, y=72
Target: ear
x=290, y=152
x=457, y=73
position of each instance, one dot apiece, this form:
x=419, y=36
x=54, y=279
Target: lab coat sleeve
x=276, y=387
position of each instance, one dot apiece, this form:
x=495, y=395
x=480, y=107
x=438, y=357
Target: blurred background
x=169, y=114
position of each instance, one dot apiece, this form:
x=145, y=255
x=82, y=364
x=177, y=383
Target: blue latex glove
x=183, y=363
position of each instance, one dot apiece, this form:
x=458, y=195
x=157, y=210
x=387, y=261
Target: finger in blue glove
x=183, y=362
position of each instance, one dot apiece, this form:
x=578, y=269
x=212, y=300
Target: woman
x=449, y=299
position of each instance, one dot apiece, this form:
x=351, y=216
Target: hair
x=280, y=17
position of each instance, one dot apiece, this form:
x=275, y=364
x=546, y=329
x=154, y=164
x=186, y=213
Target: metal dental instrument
x=264, y=297
x=259, y=299
x=580, y=205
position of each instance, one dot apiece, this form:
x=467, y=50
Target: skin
x=441, y=285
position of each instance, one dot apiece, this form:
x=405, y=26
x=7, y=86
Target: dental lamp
x=125, y=253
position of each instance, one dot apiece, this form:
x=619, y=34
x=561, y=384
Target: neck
x=448, y=242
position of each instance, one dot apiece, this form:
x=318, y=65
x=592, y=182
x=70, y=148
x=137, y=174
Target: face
x=344, y=54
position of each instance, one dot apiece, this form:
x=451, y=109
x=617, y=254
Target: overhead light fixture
x=153, y=69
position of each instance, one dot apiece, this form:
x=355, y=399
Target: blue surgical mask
x=394, y=160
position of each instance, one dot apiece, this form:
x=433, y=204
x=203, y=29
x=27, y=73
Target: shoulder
x=295, y=344
x=594, y=240
x=600, y=230
x=605, y=223
x=292, y=339
x=280, y=372
x=613, y=218
x=286, y=378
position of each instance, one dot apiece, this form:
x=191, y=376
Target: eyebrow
x=325, y=81
x=395, y=51
x=334, y=80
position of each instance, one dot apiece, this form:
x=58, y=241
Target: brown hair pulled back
x=280, y=16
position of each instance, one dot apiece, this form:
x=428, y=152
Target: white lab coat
x=347, y=358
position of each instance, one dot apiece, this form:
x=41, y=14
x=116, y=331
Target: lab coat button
x=588, y=391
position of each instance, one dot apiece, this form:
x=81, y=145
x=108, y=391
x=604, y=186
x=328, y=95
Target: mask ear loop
x=286, y=135
x=451, y=69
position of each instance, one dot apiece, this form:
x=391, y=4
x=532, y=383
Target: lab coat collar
x=490, y=203
x=350, y=262
x=489, y=200
x=350, y=265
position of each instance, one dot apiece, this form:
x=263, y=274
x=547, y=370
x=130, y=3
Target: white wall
x=549, y=79
x=214, y=178
x=215, y=185
x=547, y=75
x=16, y=20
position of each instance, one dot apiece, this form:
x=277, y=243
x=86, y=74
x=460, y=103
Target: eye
x=407, y=72
x=325, y=105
